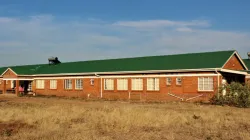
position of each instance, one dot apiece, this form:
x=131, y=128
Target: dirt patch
x=11, y=128
x=3, y=101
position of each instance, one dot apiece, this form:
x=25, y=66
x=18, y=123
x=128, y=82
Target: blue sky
x=33, y=30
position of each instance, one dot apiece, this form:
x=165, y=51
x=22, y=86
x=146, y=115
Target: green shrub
x=20, y=94
x=237, y=94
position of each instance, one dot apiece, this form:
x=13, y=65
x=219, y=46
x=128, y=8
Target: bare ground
x=29, y=118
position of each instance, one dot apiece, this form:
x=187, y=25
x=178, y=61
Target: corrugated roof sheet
x=164, y=62
x=2, y=70
x=247, y=62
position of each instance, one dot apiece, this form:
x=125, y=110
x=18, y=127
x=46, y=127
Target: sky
x=31, y=31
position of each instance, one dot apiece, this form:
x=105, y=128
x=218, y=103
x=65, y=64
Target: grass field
x=26, y=118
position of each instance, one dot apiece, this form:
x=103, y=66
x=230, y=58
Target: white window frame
x=68, y=84
x=53, y=84
x=137, y=84
x=153, y=84
x=178, y=81
x=12, y=83
x=109, y=84
x=92, y=82
x=78, y=84
x=204, y=85
x=122, y=84
x=40, y=84
x=169, y=81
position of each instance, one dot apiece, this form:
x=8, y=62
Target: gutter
x=100, y=82
x=125, y=72
x=127, y=76
x=218, y=78
x=101, y=87
x=233, y=71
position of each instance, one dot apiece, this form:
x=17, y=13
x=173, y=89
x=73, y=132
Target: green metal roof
x=2, y=70
x=164, y=62
x=247, y=62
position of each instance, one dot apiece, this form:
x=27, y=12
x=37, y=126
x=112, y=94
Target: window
x=12, y=82
x=78, y=84
x=108, y=84
x=153, y=84
x=178, y=81
x=169, y=81
x=92, y=82
x=122, y=84
x=40, y=84
x=137, y=84
x=67, y=84
x=205, y=84
x=53, y=84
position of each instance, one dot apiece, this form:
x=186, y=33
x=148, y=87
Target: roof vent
x=53, y=60
x=248, y=54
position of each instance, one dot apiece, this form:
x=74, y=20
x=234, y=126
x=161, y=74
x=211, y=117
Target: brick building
x=247, y=62
x=193, y=76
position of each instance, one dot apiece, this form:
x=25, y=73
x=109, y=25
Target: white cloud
x=6, y=20
x=33, y=39
x=162, y=23
x=184, y=29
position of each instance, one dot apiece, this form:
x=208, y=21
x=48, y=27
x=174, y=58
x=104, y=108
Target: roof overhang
x=233, y=71
x=25, y=75
x=128, y=76
x=127, y=72
x=20, y=79
x=248, y=74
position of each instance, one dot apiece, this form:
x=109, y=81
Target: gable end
x=9, y=73
x=235, y=63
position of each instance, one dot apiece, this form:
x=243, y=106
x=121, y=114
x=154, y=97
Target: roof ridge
x=191, y=53
x=21, y=65
x=148, y=56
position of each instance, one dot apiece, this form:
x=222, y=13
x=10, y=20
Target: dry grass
x=48, y=119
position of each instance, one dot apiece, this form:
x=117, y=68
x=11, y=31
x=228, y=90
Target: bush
x=236, y=95
x=20, y=94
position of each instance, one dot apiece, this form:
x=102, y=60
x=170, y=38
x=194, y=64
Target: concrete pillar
x=4, y=86
x=17, y=87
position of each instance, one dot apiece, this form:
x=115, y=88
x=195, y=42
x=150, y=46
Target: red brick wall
x=234, y=64
x=188, y=89
x=93, y=90
x=1, y=84
x=7, y=74
x=8, y=84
